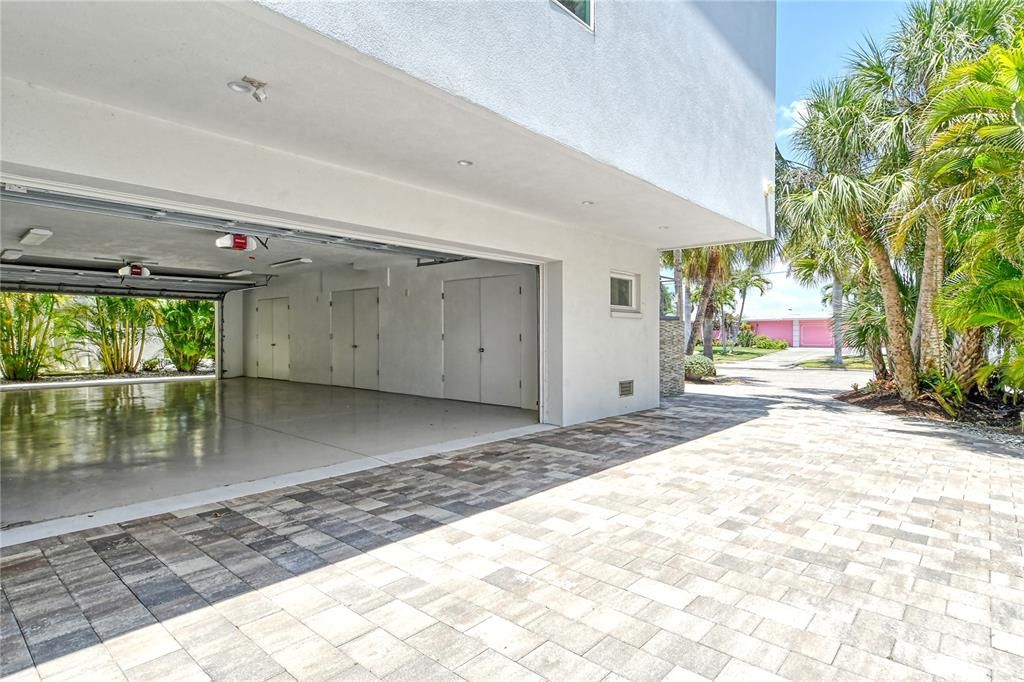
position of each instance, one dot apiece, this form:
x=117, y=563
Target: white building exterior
x=591, y=149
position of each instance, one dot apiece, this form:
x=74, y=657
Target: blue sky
x=813, y=39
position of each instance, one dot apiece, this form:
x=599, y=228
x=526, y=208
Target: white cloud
x=793, y=116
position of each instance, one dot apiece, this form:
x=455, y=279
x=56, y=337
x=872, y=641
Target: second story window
x=581, y=9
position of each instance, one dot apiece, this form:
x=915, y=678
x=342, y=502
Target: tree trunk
x=707, y=292
x=900, y=354
x=743, y=304
x=724, y=332
x=878, y=361
x=677, y=276
x=709, y=336
x=687, y=313
x=837, y=321
x=930, y=344
x=968, y=357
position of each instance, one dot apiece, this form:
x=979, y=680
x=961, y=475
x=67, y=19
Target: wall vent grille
x=625, y=388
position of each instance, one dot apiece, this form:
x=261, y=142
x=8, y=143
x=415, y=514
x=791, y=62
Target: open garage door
x=332, y=352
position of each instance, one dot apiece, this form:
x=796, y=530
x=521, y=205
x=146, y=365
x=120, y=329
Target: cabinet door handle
x=355, y=346
x=481, y=350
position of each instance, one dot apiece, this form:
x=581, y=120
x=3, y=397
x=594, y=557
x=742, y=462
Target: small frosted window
x=623, y=292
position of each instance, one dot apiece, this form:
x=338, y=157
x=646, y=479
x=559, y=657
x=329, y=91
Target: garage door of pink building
x=813, y=333
x=816, y=333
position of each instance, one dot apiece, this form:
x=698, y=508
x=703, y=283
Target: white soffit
x=173, y=61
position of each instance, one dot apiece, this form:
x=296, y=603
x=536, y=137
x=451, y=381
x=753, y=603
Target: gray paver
x=751, y=530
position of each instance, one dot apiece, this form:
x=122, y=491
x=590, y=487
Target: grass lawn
x=848, y=363
x=738, y=353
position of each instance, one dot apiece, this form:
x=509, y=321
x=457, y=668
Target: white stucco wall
x=678, y=93
x=411, y=318
x=58, y=140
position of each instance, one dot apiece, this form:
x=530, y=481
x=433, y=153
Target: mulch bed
x=890, y=403
x=987, y=416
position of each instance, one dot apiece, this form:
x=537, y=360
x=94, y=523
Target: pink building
x=806, y=331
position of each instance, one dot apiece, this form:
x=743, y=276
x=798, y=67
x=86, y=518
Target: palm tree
x=864, y=324
x=713, y=264
x=839, y=141
x=896, y=79
x=823, y=252
x=743, y=281
x=975, y=155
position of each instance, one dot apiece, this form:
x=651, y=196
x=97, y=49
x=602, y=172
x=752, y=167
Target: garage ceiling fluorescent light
x=239, y=273
x=37, y=197
x=291, y=261
x=587, y=203
x=11, y=254
x=464, y=162
x=35, y=236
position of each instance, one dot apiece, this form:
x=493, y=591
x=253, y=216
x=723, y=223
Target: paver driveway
x=743, y=532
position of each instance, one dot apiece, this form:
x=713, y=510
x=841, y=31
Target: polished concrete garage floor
x=67, y=451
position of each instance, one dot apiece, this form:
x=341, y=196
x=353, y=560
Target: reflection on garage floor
x=75, y=450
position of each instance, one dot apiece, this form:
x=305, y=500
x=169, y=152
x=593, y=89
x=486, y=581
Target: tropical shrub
x=698, y=367
x=30, y=327
x=745, y=337
x=114, y=329
x=187, y=331
x=944, y=390
x=768, y=343
x=151, y=365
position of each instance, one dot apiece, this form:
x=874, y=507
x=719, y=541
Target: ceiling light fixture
x=587, y=203
x=464, y=162
x=291, y=261
x=250, y=86
x=35, y=236
x=11, y=254
x=239, y=273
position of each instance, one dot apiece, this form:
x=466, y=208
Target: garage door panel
x=501, y=361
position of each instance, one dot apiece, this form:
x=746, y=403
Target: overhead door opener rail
x=51, y=199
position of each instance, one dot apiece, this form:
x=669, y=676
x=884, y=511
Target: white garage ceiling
x=90, y=240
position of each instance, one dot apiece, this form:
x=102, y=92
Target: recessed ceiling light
x=239, y=273
x=35, y=236
x=291, y=261
x=11, y=254
x=464, y=162
x=240, y=86
x=587, y=203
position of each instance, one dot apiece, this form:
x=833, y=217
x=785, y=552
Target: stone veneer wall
x=673, y=380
